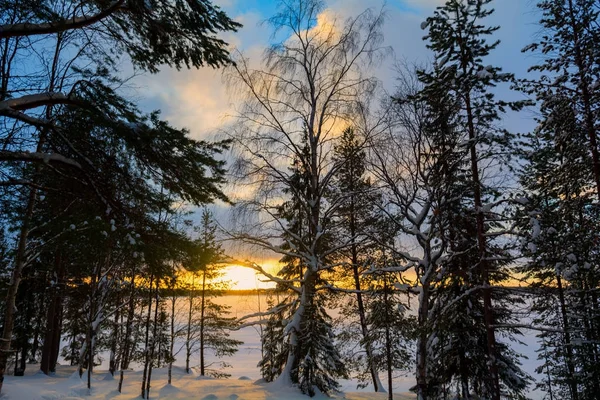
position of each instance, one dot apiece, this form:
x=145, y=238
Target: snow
x=484, y=74
x=66, y=385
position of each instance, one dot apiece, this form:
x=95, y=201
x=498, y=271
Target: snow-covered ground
x=67, y=385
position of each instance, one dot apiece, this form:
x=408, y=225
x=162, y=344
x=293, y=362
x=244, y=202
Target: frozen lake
x=244, y=362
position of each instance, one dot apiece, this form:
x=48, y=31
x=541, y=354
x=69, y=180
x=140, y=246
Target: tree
x=309, y=87
x=559, y=225
x=355, y=217
x=82, y=86
x=213, y=321
x=390, y=330
x=562, y=181
x=457, y=37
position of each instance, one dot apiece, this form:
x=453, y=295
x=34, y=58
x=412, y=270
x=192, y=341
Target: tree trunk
x=112, y=367
x=388, y=340
x=567, y=340
x=172, y=341
x=147, y=338
x=422, y=317
x=51, y=346
x=202, y=316
x=359, y=299
x=154, y=339
x=188, y=344
x=127, y=343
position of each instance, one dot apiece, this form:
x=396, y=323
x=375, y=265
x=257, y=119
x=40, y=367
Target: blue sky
x=198, y=99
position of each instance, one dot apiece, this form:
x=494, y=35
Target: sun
x=244, y=278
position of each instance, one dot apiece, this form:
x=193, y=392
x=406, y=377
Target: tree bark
x=154, y=339
x=567, y=340
x=202, y=322
x=127, y=342
x=147, y=338
x=188, y=344
x=422, y=318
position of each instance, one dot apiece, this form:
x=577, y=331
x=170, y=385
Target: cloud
x=198, y=99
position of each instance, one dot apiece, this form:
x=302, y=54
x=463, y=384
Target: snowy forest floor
x=67, y=385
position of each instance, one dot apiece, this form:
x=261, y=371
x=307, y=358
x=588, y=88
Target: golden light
x=245, y=278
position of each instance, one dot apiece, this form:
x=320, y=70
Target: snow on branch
x=39, y=157
x=35, y=100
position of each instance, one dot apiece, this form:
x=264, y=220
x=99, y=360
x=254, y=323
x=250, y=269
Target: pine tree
x=214, y=323
x=355, y=217
x=560, y=236
x=391, y=331
x=562, y=181
x=458, y=39
x=273, y=343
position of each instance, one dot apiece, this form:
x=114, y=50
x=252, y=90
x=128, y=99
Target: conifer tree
x=560, y=225
x=354, y=220
x=213, y=322
x=460, y=43
x=562, y=182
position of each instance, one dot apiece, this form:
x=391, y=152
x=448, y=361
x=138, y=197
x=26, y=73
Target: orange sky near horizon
x=245, y=278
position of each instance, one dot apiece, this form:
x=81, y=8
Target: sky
x=199, y=100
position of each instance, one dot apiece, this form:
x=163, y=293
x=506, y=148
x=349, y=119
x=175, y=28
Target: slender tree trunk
x=188, y=340
x=464, y=375
x=172, y=341
x=388, y=340
x=359, y=298
x=147, y=338
x=154, y=338
x=422, y=318
x=115, y=338
x=36, y=336
x=567, y=340
x=51, y=347
x=202, y=322
x=128, y=342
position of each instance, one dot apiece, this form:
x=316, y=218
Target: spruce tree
x=562, y=182
x=559, y=222
x=460, y=43
x=213, y=322
x=354, y=219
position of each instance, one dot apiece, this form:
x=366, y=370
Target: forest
x=415, y=230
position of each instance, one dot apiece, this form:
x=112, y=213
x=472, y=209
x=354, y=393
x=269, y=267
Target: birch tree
x=294, y=108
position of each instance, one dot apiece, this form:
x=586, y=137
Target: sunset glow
x=245, y=278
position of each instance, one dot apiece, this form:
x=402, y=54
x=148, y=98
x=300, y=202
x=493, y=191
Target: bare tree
x=405, y=168
x=310, y=87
